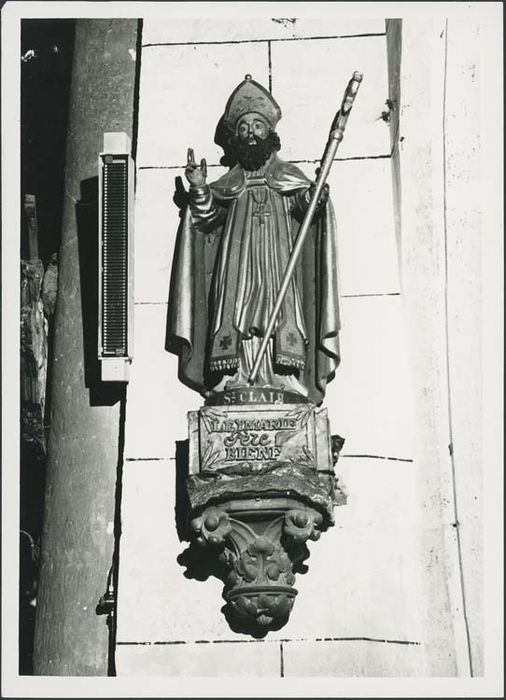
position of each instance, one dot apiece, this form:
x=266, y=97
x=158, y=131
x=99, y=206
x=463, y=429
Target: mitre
x=250, y=96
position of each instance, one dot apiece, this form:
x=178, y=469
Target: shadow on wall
x=200, y=562
x=101, y=393
x=182, y=508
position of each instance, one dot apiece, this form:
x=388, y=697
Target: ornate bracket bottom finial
x=262, y=541
x=261, y=485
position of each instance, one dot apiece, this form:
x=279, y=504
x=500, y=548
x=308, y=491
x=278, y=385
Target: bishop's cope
x=233, y=248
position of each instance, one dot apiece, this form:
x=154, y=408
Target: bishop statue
x=233, y=248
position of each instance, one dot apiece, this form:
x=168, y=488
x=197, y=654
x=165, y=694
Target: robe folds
x=232, y=248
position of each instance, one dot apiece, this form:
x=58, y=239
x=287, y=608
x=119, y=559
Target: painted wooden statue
x=235, y=243
x=254, y=318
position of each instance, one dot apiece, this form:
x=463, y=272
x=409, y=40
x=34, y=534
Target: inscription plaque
x=223, y=437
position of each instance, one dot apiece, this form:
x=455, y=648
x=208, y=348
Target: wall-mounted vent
x=115, y=257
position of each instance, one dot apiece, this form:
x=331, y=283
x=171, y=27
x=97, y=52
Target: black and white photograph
x=252, y=349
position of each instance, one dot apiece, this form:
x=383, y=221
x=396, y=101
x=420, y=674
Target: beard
x=253, y=156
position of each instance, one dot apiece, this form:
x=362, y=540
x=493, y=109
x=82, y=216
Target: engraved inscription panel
x=229, y=436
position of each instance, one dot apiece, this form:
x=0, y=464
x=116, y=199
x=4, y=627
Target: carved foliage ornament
x=260, y=547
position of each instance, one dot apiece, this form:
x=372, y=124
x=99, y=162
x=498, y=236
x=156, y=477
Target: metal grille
x=114, y=257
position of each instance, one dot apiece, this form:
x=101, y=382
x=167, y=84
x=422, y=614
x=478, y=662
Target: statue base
x=261, y=483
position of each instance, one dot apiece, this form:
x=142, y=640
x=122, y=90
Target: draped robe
x=233, y=247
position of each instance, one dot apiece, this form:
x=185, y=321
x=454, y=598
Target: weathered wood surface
x=34, y=349
x=84, y=437
x=31, y=225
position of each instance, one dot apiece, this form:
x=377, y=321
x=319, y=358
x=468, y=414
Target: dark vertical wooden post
x=84, y=443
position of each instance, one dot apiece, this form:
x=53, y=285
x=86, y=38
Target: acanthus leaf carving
x=257, y=516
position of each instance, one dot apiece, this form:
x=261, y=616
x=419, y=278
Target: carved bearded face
x=252, y=127
x=254, y=141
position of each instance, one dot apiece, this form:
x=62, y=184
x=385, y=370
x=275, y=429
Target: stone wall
x=360, y=609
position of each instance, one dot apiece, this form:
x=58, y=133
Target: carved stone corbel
x=262, y=542
x=261, y=485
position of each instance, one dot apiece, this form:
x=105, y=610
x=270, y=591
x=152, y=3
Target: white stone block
x=431, y=82
x=157, y=402
x=156, y=221
x=156, y=602
x=362, y=572
x=308, y=81
x=156, y=224
x=255, y=659
x=361, y=192
x=351, y=658
x=443, y=629
x=183, y=92
x=380, y=493
x=251, y=28
x=370, y=400
x=464, y=235
x=362, y=582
